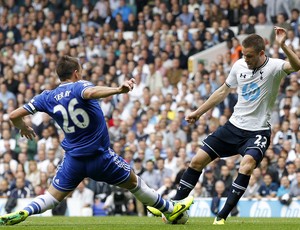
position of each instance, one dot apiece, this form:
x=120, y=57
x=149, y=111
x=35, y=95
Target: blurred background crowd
x=150, y=41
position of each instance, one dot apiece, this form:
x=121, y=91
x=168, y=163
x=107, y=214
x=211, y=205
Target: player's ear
x=76, y=74
x=262, y=53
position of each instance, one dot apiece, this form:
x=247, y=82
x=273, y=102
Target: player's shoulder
x=84, y=83
x=240, y=62
x=45, y=93
x=275, y=61
x=239, y=65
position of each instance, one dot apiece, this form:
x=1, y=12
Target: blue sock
x=187, y=183
x=236, y=191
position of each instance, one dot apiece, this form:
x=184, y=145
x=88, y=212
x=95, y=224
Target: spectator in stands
x=276, y=7
x=209, y=42
x=281, y=167
x=6, y=95
x=20, y=190
x=200, y=191
x=295, y=20
x=10, y=82
x=226, y=33
x=175, y=132
x=150, y=175
x=226, y=178
x=163, y=171
x=291, y=169
x=12, y=163
x=284, y=187
x=85, y=197
x=224, y=8
x=209, y=181
x=216, y=13
x=236, y=49
x=123, y=10
x=51, y=158
x=292, y=40
x=262, y=20
x=246, y=8
x=174, y=74
x=44, y=182
x=281, y=22
x=266, y=169
x=4, y=189
x=167, y=189
x=219, y=191
x=284, y=134
x=186, y=17
x=260, y=8
x=34, y=174
x=252, y=189
x=245, y=27
x=154, y=80
x=295, y=186
x=268, y=189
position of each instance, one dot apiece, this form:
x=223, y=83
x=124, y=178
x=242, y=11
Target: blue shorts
x=228, y=140
x=103, y=166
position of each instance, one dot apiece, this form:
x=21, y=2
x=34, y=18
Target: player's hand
x=281, y=35
x=192, y=117
x=27, y=132
x=127, y=85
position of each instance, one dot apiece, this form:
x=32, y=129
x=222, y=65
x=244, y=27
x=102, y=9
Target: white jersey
x=257, y=91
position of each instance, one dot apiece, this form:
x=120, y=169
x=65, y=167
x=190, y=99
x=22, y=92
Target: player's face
x=252, y=58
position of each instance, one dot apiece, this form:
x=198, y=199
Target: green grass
x=152, y=223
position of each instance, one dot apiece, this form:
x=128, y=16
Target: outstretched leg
x=191, y=176
x=40, y=204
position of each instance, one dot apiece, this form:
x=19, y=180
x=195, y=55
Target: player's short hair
x=255, y=41
x=66, y=66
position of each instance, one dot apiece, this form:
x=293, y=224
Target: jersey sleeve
x=36, y=104
x=82, y=85
x=231, y=80
x=279, y=63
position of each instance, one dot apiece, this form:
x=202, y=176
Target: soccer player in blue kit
x=257, y=79
x=74, y=107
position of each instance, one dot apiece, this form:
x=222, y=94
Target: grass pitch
x=152, y=223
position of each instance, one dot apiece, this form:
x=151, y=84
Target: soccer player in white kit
x=257, y=79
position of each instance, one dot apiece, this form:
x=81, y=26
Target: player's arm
x=219, y=95
x=97, y=92
x=16, y=118
x=293, y=63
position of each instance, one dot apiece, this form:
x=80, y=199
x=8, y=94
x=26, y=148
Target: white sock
x=41, y=204
x=150, y=197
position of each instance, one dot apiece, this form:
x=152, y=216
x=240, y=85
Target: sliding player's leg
x=39, y=205
x=150, y=197
x=69, y=174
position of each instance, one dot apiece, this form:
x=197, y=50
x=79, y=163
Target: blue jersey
x=81, y=120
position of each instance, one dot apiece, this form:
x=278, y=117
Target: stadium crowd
x=150, y=41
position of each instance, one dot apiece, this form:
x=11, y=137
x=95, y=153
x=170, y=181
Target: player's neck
x=262, y=62
x=70, y=80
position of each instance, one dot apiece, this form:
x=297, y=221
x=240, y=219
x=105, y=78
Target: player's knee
x=200, y=161
x=246, y=170
x=247, y=167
